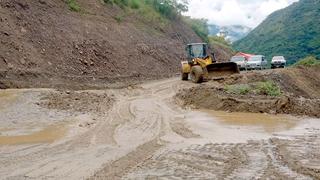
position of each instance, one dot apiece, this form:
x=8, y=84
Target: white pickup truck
x=278, y=62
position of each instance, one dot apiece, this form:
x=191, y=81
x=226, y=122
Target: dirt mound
x=82, y=102
x=299, y=87
x=44, y=44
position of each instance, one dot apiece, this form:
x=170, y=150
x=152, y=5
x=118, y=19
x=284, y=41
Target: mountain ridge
x=292, y=32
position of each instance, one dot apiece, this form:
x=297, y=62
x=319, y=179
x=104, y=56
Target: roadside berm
x=286, y=91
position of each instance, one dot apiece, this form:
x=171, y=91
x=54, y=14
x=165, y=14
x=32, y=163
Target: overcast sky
x=235, y=12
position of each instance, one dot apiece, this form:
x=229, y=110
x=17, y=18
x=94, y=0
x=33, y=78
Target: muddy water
x=224, y=127
x=47, y=135
x=267, y=122
x=7, y=97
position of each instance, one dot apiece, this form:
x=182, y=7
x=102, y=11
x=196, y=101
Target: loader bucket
x=222, y=69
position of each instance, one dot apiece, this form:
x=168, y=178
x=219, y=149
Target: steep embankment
x=289, y=91
x=44, y=44
x=292, y=32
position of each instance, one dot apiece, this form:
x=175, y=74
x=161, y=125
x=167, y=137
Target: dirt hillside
x=248, y=92
x=44, y=44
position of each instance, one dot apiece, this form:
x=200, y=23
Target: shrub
x=308, y=61
x=73, y=5
x=268, y=88
x=135, y=4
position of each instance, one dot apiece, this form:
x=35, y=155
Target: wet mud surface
x=140, y=132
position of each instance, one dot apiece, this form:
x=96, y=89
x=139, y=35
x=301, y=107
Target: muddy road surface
x=140, y=132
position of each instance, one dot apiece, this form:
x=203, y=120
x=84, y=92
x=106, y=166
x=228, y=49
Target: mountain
x=293, y=32
x=234, y=32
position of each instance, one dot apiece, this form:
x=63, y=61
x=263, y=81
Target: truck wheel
x=196, y=74
x=184, y=76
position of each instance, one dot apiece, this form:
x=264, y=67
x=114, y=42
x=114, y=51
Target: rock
x=22, y=61
x=282, y=102
x=42, y=2
x=23, y=30
x=10, y=66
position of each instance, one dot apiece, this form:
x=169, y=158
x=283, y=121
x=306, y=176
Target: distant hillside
x=293, y=32
x=235, y=32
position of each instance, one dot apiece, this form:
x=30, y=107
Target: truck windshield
x=198, y=51
x=255, y=58
x=278, y=58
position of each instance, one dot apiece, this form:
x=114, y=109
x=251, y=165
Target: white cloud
x=235, y=12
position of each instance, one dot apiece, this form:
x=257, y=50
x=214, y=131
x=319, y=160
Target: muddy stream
x=146, y=135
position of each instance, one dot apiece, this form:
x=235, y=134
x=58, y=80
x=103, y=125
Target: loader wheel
x=184, y=76
x=196, y=74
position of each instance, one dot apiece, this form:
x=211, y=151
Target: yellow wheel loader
x=201, y=67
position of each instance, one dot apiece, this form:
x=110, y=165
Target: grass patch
x=308, y=61
x=73, y=5
x=267, y=88
x=240, y=89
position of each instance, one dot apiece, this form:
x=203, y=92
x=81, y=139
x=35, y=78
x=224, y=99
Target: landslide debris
x=289, y=91
x=45, y=44
x=81, y=102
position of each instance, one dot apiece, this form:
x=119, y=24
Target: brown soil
x=300, y=93
x=44, y=44
x=82, y=102
x=50, y=134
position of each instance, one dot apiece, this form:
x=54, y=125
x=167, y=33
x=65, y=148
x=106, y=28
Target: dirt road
x=141, y=133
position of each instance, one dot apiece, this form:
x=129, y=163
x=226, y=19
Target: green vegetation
x=268, y=88
x=241, y=89
x=73, y=5
x=308, y=61
x=292, y=32
x=199, y=26
x=135, y=4
x=220, y=41
x=160, y=10
x=167, y=8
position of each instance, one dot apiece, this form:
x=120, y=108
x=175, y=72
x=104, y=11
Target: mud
x=299, y=87
x=82, y=102
x=140, y=132
x=47, y=135
x=267, y=122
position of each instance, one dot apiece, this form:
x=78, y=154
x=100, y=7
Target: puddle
x=267, y=122
x=47, y=135
x=7, y=97
x=223, y=127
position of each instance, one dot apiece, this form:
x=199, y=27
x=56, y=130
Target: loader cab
x=196, y=50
